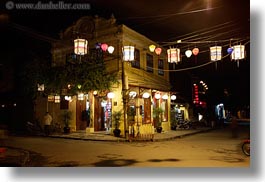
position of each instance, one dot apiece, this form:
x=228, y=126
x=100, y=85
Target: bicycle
x=246, y=147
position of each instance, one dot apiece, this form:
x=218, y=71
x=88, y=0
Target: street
x=210, y=149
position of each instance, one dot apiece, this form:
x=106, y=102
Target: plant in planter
x=158, y=116
x=66, y=116
x=116, y=116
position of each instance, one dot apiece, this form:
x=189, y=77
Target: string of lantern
x=237, y=52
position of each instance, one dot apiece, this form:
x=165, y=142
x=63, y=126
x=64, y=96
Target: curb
x=128, y=140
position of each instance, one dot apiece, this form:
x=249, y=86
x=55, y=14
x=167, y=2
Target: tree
x=73, y=76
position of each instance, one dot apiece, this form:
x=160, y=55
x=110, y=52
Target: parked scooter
x=184, y=125
x=33, y=128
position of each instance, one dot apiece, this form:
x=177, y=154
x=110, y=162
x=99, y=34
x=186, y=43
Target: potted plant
x=66, y=116
x=116, y=116
x=158, y=116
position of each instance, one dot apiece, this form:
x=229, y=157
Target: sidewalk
x=106, y=136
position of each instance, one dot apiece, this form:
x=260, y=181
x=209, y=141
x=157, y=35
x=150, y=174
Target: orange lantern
x=158, y=51
x=195, y=51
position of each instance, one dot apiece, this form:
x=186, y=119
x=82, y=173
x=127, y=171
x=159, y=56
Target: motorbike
x=246, y=147
x=184, y=125
x=33, y=128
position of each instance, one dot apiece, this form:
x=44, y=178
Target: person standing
x=47, y=123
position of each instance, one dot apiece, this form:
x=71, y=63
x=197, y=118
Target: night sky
x=26, y=33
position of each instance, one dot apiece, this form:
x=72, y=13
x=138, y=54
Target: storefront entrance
x=102, y=114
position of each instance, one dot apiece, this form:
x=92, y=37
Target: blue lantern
x=98, y=45
x=230, y=50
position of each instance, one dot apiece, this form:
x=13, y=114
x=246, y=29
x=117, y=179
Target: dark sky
x=162, y=21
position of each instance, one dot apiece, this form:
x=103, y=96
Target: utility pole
x=125, y=99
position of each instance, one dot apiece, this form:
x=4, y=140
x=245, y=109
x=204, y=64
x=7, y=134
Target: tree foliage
x=75, y=76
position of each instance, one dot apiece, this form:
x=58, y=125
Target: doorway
x=102, y=114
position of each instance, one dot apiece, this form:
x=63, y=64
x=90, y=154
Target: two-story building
x=143, y=83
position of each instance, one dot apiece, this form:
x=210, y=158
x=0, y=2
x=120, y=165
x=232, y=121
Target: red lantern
x=104, y=47
x=158, y=51
x=195, y=51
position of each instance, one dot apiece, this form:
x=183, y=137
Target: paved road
x=211, y=149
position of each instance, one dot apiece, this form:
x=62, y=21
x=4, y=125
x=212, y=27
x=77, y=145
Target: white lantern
x=128, y=53
x=173, y=55
x=238, y=52
x=157, y=96
x=80, y=96
x=188, y=53
x=216, y=53
x=110, y=49
x=173, y=97
x=40, y=87
x=57, y=99
x=132, y=94
x=110, y=95
x=80, y=46
x=146, y=95
x=165, y=97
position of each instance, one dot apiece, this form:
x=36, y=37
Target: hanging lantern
x=165, y=97
x=110, y=95
x=98, y=45
x=157, y=96
x=216, y=53
x=57, y=99
x=173, y=55
x=146, y=95
x=50, y=98
x=128, y=53
x=110, y=49
x=40, y=87
x=80, y=96
x=238, y=52
x=80, y=46
x=152, y=48
x=188, y=53
x=229, y=50
x=104, y=47
x=132, y=94
x=158, y=51
x=173, y=97
x=195, y=51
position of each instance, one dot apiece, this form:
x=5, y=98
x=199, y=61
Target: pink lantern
x=104, y=47
x=158, y=51
x=195, y=51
